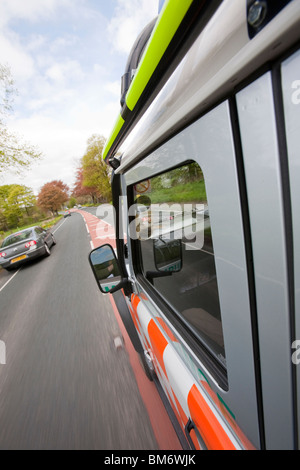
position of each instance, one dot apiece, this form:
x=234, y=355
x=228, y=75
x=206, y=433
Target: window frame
x=185, y=329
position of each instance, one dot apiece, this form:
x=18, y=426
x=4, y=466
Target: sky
x=66, y=58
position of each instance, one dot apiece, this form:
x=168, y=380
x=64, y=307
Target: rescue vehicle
x=206, y=188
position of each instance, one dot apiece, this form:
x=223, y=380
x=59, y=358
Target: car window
x=172, y=226
x=17, y=237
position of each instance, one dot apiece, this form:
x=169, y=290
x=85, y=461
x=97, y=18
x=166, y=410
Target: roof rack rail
x=157, y=52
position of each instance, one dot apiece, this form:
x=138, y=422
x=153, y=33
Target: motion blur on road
x=65, y=385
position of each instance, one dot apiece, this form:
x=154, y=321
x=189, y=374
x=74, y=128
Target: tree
x=80, y=190
x=72, y=202
x=14, y=153
x=4, y=215
x=96, y=173
x=53, y=195
x=15, y=202
x=22, y=196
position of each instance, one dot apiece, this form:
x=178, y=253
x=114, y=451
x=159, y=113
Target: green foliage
x=50, y=222
x=190, y=192
x=72, y=202
x=17, y=206
x=189, y=183
x=96, y=173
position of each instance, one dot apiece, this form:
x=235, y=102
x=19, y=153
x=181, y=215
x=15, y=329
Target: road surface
x=65, y=385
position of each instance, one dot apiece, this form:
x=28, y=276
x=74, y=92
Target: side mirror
x=106, y=269
x=167, y=255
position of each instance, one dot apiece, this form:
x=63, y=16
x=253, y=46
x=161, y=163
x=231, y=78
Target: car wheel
x=47, y=250
x=53, y=240
x=149, y=373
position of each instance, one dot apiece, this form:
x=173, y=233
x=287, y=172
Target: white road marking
x=118, y=342
x=59, y=226
x=10, y=279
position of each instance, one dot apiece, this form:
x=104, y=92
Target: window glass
x=17, y=237
x=172, y=225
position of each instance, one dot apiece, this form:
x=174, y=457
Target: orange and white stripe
x=190, y=399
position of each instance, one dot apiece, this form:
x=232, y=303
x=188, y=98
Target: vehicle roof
x=172, y=33
x=220, y=59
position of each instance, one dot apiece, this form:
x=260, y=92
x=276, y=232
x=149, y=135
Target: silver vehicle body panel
x=263, y=178
x=290, y=75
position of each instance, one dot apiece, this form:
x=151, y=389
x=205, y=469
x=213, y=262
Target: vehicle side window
x=172, y=225
x=17, y=237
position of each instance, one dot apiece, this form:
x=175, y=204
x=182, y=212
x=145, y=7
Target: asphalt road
x=64, y=384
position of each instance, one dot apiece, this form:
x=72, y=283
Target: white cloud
x=62, y=139
x=36, y=42
x=125, y=26
x=51, y=100
x=63, y=42
x=114, y=88
x=31, y=10
x=12, y=52
x=65, y=72
x=100, y=69
x=60, y=143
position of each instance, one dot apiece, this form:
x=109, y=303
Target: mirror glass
x=105, y=267
x=167, y=254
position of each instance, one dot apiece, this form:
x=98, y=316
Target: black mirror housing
x=106, y=269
